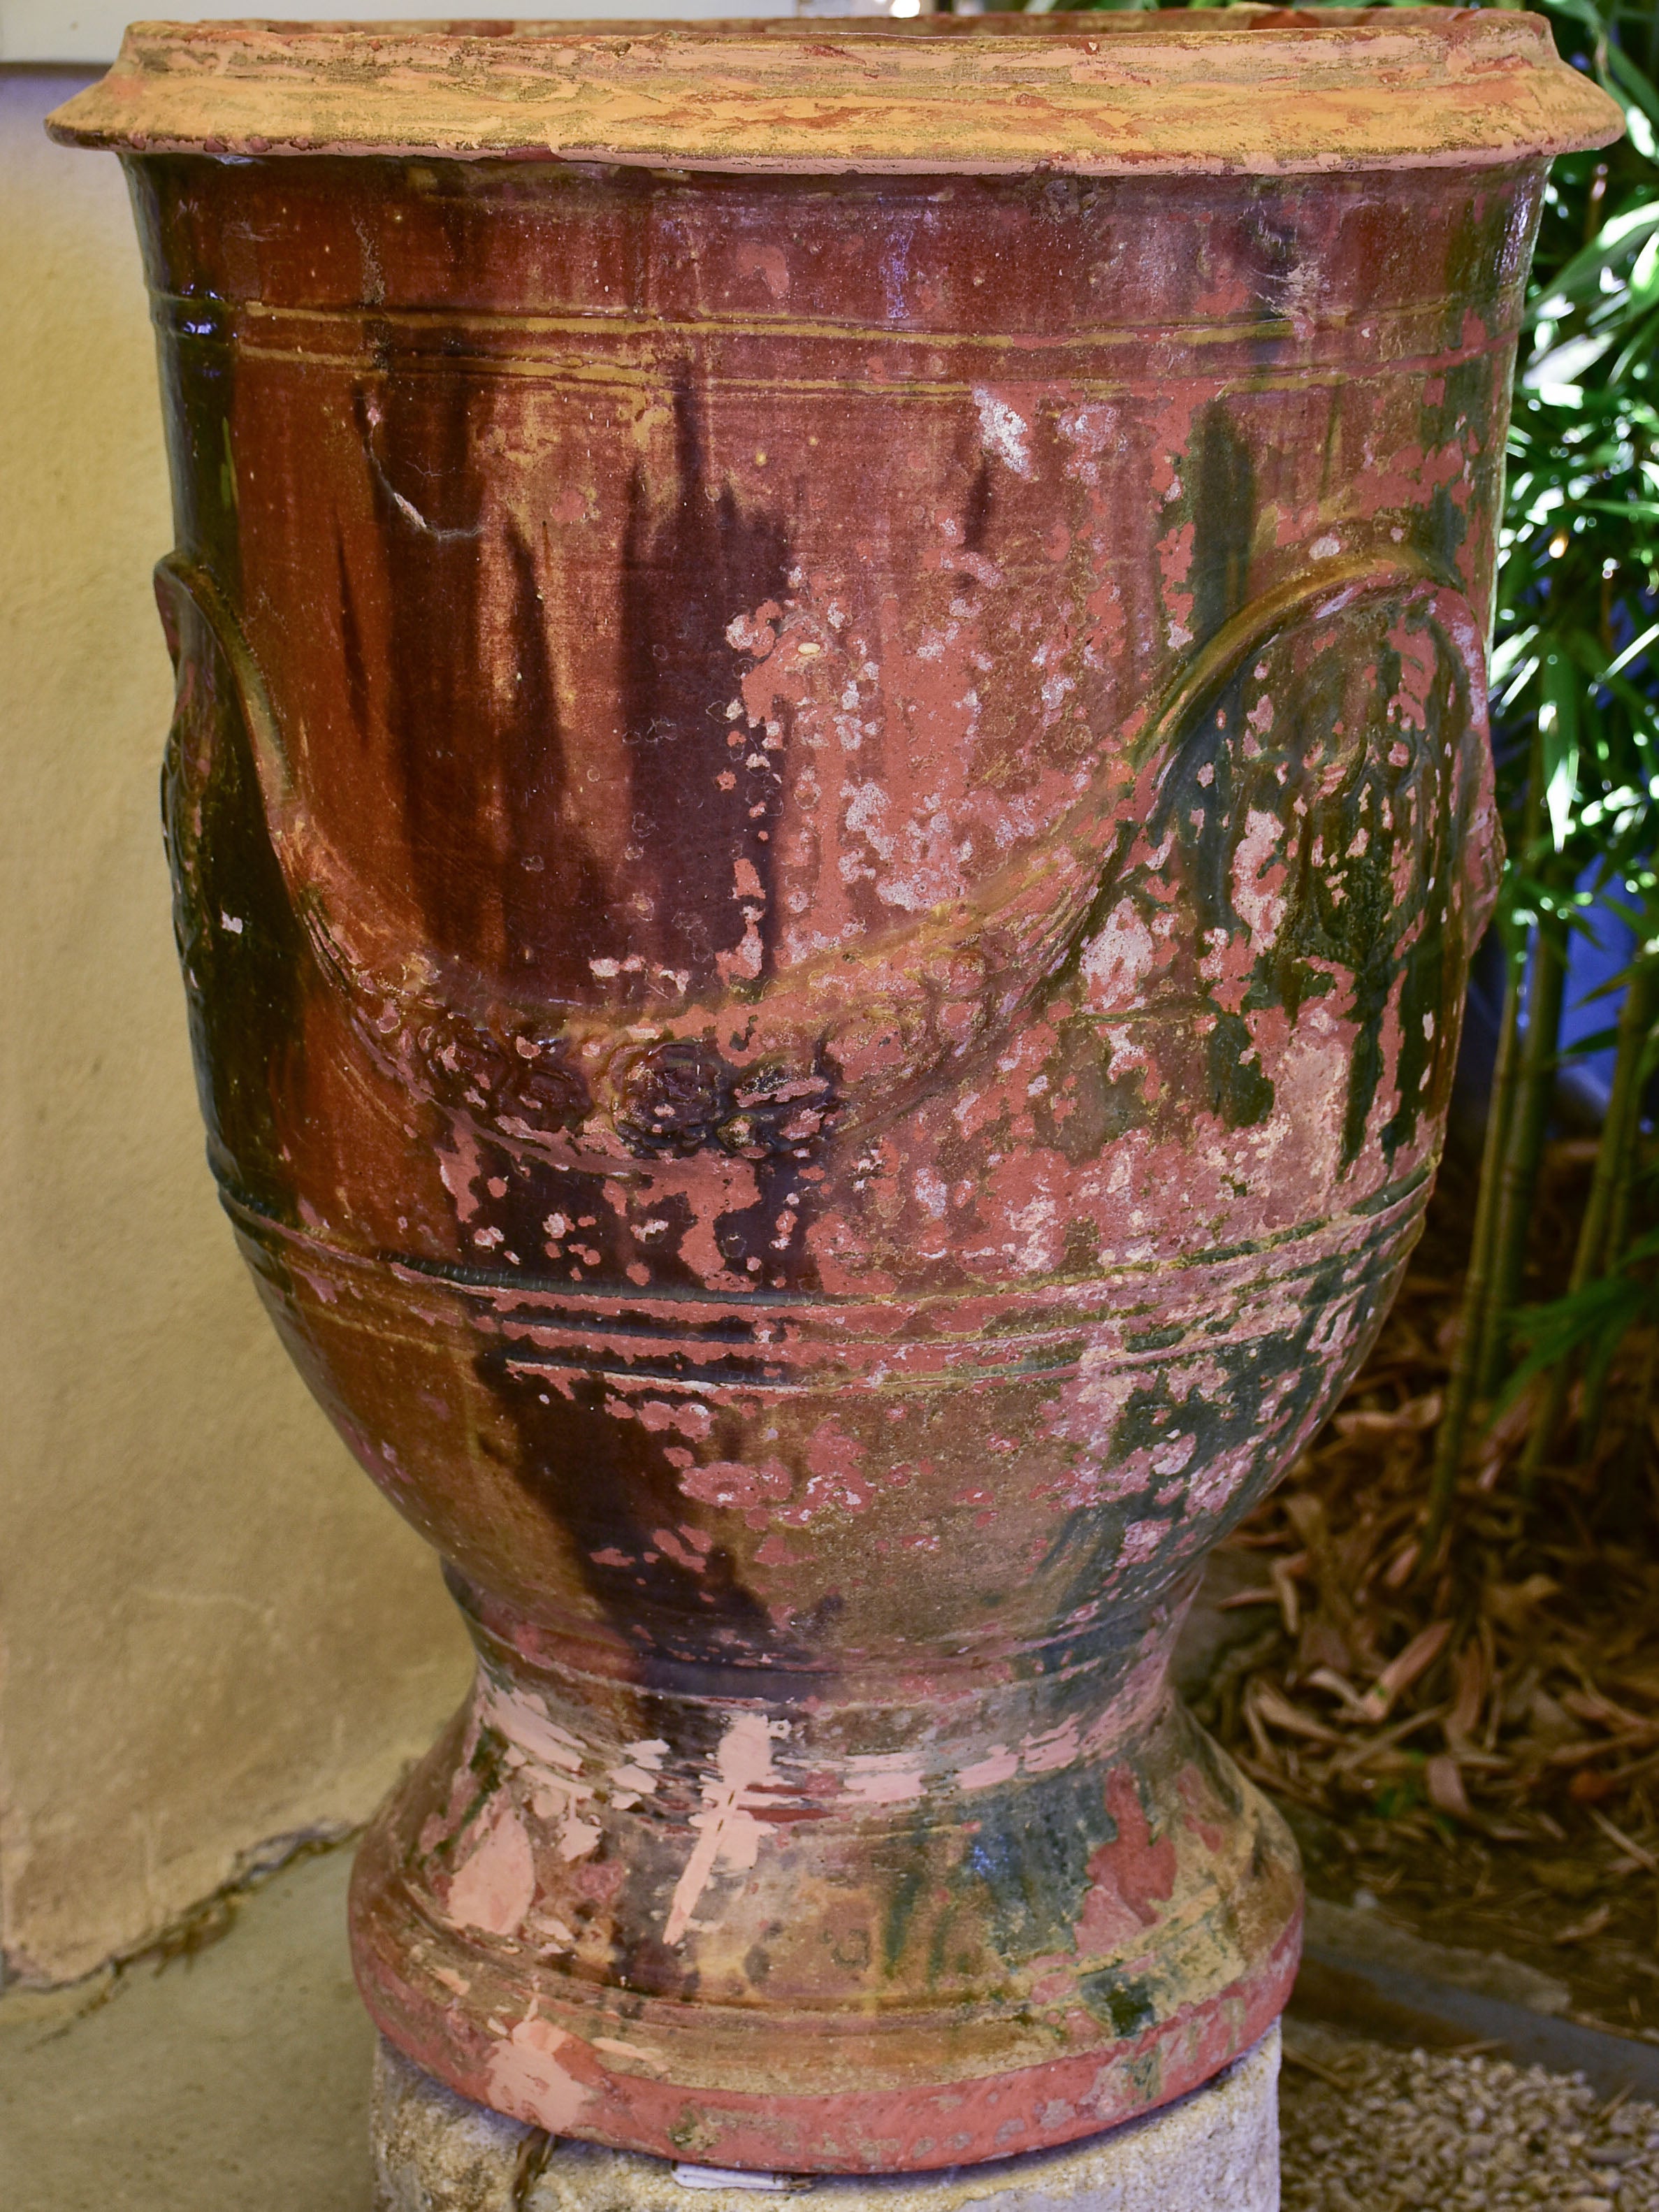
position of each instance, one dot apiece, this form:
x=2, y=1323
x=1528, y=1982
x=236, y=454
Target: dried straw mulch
x=1483, y=1734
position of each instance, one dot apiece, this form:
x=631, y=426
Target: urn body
x=828, y=821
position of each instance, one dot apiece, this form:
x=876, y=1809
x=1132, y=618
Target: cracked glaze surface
x=827, y=841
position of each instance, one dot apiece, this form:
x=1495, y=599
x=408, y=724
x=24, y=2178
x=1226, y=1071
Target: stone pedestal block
x=1216, y=2150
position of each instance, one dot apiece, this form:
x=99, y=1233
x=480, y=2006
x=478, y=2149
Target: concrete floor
x=236, y=2079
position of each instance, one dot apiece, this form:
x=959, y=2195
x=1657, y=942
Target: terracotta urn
x=829, y=798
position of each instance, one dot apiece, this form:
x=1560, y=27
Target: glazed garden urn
x=829, y=798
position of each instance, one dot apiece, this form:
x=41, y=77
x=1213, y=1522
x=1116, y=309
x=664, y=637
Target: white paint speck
x=728, y=1830
x=1005, y=432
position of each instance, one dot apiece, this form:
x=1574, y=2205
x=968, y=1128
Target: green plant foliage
x=1592, y=1322
x=1575, y=640
x=1575, y=658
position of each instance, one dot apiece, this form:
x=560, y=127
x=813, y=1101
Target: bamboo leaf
x=1557, y=725
x=1632, y=90
x=1581, y=278
x=1633, y=651
x=1599, y=1316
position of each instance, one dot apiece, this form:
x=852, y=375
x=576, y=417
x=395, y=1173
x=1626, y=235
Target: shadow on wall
x=212, y=1633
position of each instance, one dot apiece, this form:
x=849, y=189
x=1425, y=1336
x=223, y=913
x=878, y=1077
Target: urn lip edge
x=1246, y=91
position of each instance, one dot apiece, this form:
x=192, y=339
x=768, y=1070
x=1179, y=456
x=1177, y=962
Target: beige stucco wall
x=212, y=1632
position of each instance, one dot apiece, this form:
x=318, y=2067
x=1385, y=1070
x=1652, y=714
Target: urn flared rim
x=1245, y=90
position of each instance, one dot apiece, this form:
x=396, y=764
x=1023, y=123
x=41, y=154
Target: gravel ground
x=1370, y=2129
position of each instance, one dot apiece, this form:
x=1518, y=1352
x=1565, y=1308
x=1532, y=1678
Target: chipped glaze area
x=827, y=840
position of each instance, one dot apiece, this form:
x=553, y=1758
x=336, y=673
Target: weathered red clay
x=829, y=798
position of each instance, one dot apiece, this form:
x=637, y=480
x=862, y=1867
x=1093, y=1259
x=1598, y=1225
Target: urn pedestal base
x=1216, y=2150
x=903, y=1961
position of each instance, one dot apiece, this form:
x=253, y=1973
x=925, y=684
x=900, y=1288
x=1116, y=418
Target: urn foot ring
x=1215, y=2150
x=1168, y=1951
